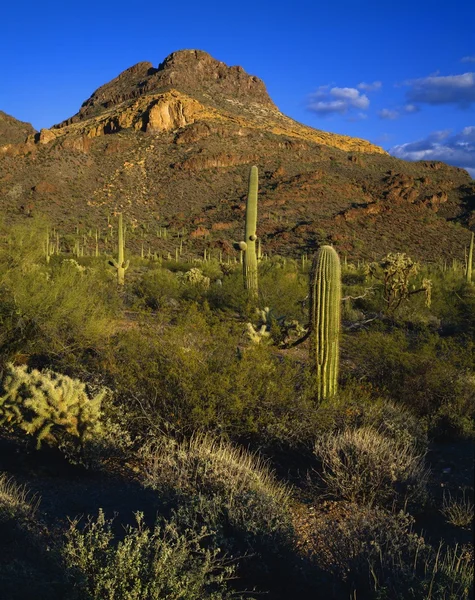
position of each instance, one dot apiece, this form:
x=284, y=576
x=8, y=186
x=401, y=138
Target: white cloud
x=392, y=114
x=454, y=149
x=326, y=100
x=451, y=89
x=370, y=87
x=387, y=113
x=468, y=59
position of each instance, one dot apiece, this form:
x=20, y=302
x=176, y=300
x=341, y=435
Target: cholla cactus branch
x=48, y=405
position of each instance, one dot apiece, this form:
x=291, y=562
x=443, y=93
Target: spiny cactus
x=120, y=265
x=248, y=246
x=48, y=405
x=468, y=274
x=195, y=277
x=325, y=310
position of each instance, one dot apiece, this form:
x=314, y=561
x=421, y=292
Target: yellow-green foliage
x=163, y=563
x=48, y=405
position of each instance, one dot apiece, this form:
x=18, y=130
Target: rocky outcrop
x=13, y=131
x=187, y=86
x=193, y=72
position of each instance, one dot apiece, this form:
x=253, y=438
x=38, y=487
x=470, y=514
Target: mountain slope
x=13, y=131
x=172, y=146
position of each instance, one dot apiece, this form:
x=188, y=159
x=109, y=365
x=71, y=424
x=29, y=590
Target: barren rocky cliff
x=171, y=146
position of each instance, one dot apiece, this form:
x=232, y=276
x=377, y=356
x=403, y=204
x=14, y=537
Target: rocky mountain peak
x=193, y=72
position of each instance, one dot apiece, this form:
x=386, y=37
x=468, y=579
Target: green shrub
x=198, y=374
x=362, y=465
x=157, y=287
x=48, y=406
x=145, y=564
x=432, y=376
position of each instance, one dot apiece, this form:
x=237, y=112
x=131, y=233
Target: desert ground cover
x=165, y=438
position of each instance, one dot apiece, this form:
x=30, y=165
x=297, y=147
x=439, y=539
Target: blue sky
x=400, y=74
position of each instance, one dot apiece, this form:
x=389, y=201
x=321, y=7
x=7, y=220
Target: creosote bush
x=362, y=465
x=146, y=564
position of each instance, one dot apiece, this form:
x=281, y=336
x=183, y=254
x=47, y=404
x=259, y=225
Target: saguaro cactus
x=120, y=265
x=248, y=246
x=468, y=274
x=325, y=311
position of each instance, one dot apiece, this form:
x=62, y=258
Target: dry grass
x=458, y=511
x=362, y=465
x=240, y=483
x=15, y=500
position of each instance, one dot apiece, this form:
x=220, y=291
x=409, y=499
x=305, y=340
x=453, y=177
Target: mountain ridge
x=173, y=145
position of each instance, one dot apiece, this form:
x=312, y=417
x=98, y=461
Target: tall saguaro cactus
x=248, y=246
x=120, y=265
x=468, y=274
x=325, y=317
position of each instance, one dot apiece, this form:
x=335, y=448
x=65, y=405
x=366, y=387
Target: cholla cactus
x=258, y=335
x=48, y=405
x=398, y=269
x=73, y=264
x=195, y=277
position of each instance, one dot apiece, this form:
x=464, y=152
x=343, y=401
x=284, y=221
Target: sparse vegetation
x=243, y=478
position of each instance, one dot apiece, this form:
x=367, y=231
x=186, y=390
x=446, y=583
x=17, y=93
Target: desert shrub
x=235, y=496
x=64, y=311
x=283, y=288
x=430, y=375
x=48, y=406
x=145, y=564
x=157, y=287
x=377, y=555
x=362, y=465
x=248, y=496
x=197, y=373
x=231, y=294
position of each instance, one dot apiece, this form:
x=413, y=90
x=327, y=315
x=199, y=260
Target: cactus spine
x=248, y=246
x=325, y=310
x=468, y=275
x=120, y=265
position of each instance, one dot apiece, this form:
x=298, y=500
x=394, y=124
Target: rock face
x=193, y=72
x=13, y=131
x=190, y=86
